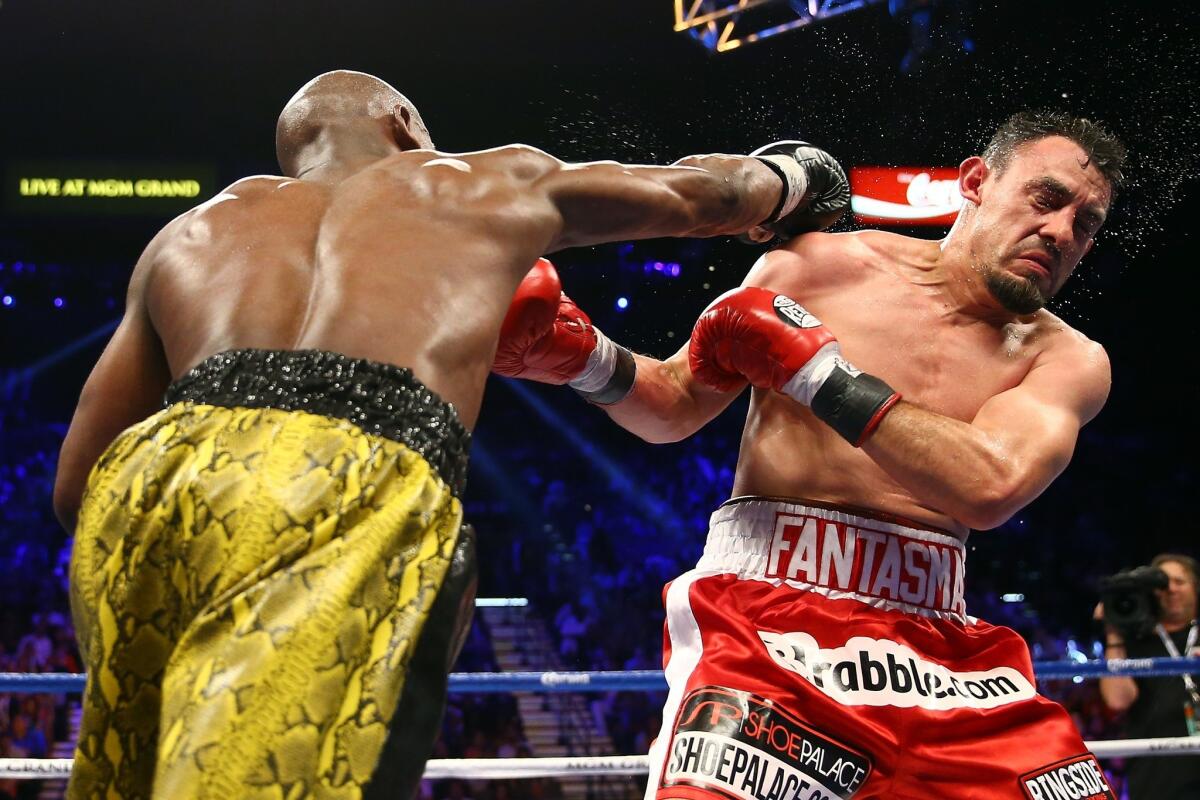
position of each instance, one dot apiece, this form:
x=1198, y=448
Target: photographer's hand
x=1118, y=693
x=1113, y=638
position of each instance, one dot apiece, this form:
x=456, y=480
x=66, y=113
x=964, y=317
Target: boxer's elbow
x=993, y=496
x=652, y=427
x=75, y=461
x=66, y=503
x=666, y=432
x=983, y=514
x=655, y=418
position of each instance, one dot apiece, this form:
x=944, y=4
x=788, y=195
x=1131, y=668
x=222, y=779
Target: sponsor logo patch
x=793, y=313
x=1078, y=778
x=749, y=748
x=847, y=558
x=880, y=672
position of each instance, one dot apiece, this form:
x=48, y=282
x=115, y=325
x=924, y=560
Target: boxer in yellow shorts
x=270, y=572
x=270, y=587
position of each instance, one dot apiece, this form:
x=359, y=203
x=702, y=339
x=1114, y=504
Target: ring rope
x=647, y=679
x=517, y=768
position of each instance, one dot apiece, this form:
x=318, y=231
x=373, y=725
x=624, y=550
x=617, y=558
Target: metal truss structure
x=722, y=25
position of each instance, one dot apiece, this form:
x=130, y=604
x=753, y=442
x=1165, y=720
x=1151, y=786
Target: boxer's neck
x=960, y=272
x=339, y=151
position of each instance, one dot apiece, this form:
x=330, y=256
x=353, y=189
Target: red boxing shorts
x=813, y=655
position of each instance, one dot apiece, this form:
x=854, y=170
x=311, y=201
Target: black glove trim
x=619, y=385
x=785, y=191
x=853, y=405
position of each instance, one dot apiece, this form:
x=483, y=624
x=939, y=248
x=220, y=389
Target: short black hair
x=1104, y=149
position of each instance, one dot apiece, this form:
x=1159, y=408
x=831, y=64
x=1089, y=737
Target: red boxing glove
x=752, y=334
x=545, y=337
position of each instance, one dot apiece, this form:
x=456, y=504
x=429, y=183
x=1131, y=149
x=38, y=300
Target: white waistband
x=839, y=555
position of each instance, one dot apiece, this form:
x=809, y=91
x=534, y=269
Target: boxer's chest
x=905, y=335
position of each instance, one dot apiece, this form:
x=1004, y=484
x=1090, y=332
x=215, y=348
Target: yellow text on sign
x=110, y=187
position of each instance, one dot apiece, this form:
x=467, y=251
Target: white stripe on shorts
x=686, y=648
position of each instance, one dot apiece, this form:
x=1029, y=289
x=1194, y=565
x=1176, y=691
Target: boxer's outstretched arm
x=126, y=386
x=667, y=404
x=983, y=472
x=604, y=201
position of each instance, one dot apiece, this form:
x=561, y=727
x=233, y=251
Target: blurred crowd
x=31, y=724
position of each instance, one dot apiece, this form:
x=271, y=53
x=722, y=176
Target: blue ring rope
x=645, y=680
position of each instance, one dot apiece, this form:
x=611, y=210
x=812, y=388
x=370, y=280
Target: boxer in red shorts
x=905, y=392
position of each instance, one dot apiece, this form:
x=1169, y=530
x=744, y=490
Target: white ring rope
x=516, y=768
x=501, y=768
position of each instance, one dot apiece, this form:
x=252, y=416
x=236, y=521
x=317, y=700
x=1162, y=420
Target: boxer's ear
x=971, y=175
x=401, y=120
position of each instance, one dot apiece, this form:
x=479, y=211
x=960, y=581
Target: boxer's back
x=410, y=261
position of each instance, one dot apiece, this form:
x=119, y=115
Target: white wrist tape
x=795, y=183
x=601, y=364
x=808, y=380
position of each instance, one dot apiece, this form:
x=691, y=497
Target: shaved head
x=341, y=100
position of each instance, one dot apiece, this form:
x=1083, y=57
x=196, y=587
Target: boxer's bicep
x=667, y=403
x=1036, y=424
x=126, y=385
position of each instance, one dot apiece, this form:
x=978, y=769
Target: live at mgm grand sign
x=106, y=188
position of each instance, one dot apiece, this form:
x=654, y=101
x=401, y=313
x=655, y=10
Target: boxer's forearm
x=698, y=196
x=664, y=405
x=957, y=468
x=729, y=195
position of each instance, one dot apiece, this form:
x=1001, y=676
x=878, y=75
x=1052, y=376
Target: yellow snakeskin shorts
x=267, y=603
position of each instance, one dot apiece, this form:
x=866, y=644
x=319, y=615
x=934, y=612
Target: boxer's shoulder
x=471, y=176
x=830, y=260
x=520, y=161
x=1061, y=338
x=258, y=192
x=253, y=185
x=1066, y=352
x=829, y=250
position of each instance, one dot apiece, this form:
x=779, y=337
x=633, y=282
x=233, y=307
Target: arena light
x=905, y=195
x=501, y=602
x=668, y=269
x=722, y=25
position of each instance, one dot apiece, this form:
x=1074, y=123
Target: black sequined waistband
x=379, y=398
